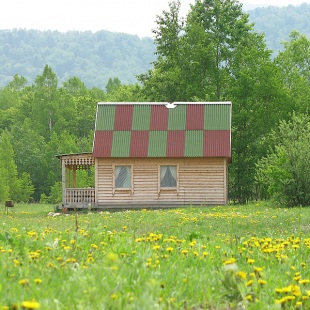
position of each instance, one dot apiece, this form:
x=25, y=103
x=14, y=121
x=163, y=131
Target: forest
x=213, y=55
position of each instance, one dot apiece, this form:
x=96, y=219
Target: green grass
x=255, y=257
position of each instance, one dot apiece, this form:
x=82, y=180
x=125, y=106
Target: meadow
x=245, y=257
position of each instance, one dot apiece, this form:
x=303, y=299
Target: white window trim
x=125, y=189
x=164, y=189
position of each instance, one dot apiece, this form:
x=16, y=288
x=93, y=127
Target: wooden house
x=154, y=155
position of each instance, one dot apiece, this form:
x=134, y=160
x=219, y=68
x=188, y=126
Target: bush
x=284, y=174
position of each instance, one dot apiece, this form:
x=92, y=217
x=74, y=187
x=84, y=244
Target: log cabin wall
x=200, y=181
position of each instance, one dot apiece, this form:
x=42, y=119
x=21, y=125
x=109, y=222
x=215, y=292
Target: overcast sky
x=128, y=16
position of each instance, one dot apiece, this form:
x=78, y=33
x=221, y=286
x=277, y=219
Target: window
x=168, y=176
x=123, y=177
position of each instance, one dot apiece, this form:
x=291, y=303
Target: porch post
x=63, y=180
x=74, y=177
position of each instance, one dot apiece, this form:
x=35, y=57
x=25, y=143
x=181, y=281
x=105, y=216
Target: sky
x=135, y=17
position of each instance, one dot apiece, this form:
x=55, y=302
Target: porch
x=73, y=196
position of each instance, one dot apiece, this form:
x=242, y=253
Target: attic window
x=170, y=105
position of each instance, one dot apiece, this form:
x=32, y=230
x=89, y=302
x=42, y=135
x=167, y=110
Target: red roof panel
x=159, y=117
x=123, y=117
x=139, y=143
x=195, y=117
x=175, y=143
x=103, y=143
x=216, y=143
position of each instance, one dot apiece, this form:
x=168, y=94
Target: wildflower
x=285, y=299
x=230, y=261
x=169, y=249
x=205, y=254
x=184, y=252
x=72, y=241
x=30, y=305
x=262, y=282
x=241, y=274
x=304, y=281
x=114, y=296
x=16, y=262
x=248, y=297
x=156, y=247
x=24, y=282
x=251, y=261
x=37, y=281
x=249, y=283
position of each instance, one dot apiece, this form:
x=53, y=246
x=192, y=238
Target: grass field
x=247, y=257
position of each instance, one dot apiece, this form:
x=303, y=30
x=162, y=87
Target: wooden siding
x=200, y=181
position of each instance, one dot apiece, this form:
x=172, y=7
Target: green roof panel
x=105, y=117
x=177, y=118
x=193, y=143
x=121, y=144
x=217, y=117
x=141, y=117
x=157, y=143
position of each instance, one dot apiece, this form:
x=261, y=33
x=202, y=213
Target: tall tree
x=215, y=55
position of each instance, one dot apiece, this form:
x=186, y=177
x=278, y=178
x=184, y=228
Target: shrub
x=284, y=173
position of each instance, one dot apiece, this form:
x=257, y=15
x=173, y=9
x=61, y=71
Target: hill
x=92, y=57
x=278, y=22
x=96, y=57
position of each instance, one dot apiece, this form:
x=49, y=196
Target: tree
x=215, y=55
x=113, y=85
x=7, y=165
x=46, y=99
x=284, y=173
x=294, y=63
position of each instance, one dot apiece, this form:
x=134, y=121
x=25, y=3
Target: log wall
x=201, y=181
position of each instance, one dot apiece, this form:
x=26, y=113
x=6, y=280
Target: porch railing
x=80, y=195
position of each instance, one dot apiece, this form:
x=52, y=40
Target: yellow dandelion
x=250, y=261
x=38, y=281
x=114, y=296
x=23, y=282
x=229, y=261
x=16, y=262
x=30, y=305
x=262, y=282
x=156, y=247
x=304, y=281
x=248, y=297
x=72, y=241
x=241, y=274
x=249, y=283
x=169, y=249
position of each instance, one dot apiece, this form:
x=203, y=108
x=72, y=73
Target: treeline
x=215, y=55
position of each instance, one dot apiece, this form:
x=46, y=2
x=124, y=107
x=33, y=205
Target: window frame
x=176, y=188
x=122, y=189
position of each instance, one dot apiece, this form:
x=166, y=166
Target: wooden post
x=63, y=181
x=74, y=177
